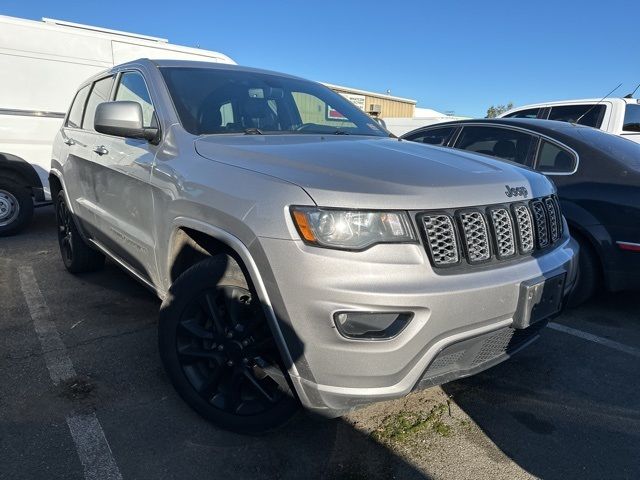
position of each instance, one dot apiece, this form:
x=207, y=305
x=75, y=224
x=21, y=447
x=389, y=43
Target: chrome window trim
x=31, y=113
x=523, y=130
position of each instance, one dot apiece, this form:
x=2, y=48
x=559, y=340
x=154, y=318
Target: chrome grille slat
x=540, y=221
x=476, y=236
x=503, y=231
x=441, y=237
x=552, y=214
x=525, y=228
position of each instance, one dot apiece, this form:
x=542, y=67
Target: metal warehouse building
x=377, y=104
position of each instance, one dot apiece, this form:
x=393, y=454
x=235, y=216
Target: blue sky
x=460, y=56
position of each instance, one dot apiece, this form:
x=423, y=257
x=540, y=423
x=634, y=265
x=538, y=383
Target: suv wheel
x=77, y=255
x=16, y=207
x=219, y=352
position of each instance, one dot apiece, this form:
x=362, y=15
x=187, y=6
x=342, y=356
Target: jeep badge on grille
x=516, y=191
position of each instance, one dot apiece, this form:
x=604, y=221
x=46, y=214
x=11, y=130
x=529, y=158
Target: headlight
x=351, y=229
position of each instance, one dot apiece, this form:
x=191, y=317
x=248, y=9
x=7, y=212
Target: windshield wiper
x=341, y=132
x=253, y=131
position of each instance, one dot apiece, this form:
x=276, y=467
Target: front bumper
x=335, y=374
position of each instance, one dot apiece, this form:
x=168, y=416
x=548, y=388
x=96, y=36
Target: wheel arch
x=192, y=239
x=20, y=171
x=584, y=236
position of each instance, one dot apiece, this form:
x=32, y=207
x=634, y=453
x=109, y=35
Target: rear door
x=78, y=155
x=502, y=142
x=121, y=176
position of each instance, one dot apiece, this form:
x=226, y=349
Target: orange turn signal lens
x=302, y=224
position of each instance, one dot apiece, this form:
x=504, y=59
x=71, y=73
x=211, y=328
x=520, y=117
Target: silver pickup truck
x=302, y=255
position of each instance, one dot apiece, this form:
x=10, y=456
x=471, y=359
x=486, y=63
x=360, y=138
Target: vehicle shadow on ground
x=156, y=435
x=564, y=407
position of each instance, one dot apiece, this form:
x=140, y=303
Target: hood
x=375, y=172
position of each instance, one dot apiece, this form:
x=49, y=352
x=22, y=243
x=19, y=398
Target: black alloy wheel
x=65, y=233
x=77, y=255
x=219, y=350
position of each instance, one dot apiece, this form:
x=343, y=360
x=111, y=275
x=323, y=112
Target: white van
x=619, y=116
x=42, y=63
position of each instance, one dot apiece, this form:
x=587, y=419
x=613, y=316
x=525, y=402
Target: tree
x=494, y=110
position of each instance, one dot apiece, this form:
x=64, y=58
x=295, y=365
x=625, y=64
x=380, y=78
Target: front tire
x=16, y=207
x=218, y=351
x=77, y=255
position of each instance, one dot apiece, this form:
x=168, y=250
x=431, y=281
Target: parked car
x=598, y=180
x=301, y=259
x=42, y=64
x=620, y=116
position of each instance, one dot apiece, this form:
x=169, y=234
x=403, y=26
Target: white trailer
x=41, y=64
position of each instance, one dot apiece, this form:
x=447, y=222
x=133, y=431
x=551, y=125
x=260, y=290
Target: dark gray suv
x=303, y=256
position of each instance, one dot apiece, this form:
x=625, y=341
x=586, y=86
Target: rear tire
x=77, y=255
x=588, y=278
x=218, y=351
x=16, y=207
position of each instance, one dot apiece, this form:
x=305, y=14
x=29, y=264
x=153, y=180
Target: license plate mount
x=539, y=300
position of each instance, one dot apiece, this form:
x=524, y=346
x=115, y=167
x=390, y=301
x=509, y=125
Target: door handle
x=101, y=150
x=69, y=141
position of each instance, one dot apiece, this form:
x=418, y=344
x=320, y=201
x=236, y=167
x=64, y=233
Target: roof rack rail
x=53, y=21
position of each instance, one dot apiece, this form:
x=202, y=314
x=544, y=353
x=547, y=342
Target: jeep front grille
x=494, y=232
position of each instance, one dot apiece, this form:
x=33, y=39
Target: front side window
x=528, y=113
x=632, y=119
x=504, y=143
x=436, y=136
x=554, y=159
x=221, y=101
x=590, y=115
x=133, y=88
x=99, y=94
x=74, y=120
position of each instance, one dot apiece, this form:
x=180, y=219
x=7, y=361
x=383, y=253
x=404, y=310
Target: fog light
x=371, y=325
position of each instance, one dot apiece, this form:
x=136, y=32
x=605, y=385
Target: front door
x=122, y=196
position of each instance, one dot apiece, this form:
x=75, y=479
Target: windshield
x=218, y=101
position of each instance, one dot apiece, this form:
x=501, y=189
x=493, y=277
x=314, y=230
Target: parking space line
x=595, y=338
x=55, y=353
x=87, y=433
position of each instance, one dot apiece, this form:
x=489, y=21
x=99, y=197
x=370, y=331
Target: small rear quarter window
x=74, y=120
x=555, y=159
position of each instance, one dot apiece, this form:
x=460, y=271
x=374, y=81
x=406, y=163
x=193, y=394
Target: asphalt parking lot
x=567, y=407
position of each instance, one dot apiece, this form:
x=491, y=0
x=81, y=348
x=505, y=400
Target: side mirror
x=122, y=119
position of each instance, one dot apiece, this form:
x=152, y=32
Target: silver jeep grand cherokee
x=303, y=257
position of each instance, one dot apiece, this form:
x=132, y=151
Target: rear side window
x=555, y=159
x=133, y=88
x=632, y=119
x=504, y=143
x=74, y=120
x=99, y=94
x=528, y=113
x=587, y=114
x=436, y=136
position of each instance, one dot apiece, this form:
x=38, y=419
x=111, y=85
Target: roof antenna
x=632, y=93
x=595, y=105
